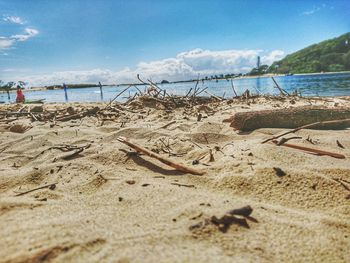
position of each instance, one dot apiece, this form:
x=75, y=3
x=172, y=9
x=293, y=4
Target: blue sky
x=43, y=41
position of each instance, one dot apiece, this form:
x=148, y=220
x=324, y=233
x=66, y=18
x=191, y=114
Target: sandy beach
x=107, y=203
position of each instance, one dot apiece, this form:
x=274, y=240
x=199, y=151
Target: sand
x=111, y=204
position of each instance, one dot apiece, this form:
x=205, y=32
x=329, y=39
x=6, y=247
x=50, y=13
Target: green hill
x=326, y=56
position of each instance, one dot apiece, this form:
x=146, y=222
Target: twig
x=120, y=93
x=33, y=116
x=311, y=150
x=177, y=166
x=283, y=92
x=340, y=145
x=233, y=88
x=284, y=140
x=185, y=185
x=216, y=97
x=308, y=126
x=167, y=125
x=38, y=188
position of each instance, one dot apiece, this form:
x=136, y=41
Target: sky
x=47, y=42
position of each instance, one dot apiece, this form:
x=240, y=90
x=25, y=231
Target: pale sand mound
x=113, y=205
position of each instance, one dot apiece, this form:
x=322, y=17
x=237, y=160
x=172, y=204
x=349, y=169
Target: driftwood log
x=177, y=166
x=291, y=118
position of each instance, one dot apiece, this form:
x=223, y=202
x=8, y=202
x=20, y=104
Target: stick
x=234, y=91
x=185, y=185
x=311, y=150
x=201, y=91
x=38, y=188
x=284, y=140
x=283, y=92
x=321, y=123
x=166, y=125
x=177, y=166
x=33, y=116
x=120, y=93
x=216, y=97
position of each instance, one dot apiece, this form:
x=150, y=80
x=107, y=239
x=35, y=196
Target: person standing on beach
x=65, y=91
x=100, y=85
x=19, y=97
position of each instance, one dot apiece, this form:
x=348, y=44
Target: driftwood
x=312, y=150
x=292, y=118
x=177, y=166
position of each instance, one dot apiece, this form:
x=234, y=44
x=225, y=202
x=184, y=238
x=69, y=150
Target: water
x=337, y=84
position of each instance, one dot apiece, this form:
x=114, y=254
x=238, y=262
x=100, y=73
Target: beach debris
x=243, y=211
x=235, y=216
x=79, y=115
x=196, y=216
x=283, y=140
x=199, y=117
x=211, y=156
x=312, y=150
x=333, y=124
x=167, y=125
x=340, y=145
x=50, y=186
x=67, y=148
x=177, y=166
x=282, y=91
x=185, y=185
x=310, y=140
x=19, y=128
x=318, y=116
x=130, y=181
x=36, y=109
x=233, y=88
x=279, y=172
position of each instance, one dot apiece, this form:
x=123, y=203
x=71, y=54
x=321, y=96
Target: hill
x=327, y=56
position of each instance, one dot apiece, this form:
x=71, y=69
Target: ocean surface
x=337, y=84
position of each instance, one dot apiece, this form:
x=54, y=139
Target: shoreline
x=43, y=88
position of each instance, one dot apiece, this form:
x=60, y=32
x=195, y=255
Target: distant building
x=258, y=63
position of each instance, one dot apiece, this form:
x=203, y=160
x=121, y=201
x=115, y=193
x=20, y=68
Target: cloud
x=185, y=65
x=30, y=32
x=8, y=42
x=14, y=20
x=314, y=10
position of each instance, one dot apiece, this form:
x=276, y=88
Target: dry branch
x=324, y=124
x=312, y=150
x=177, y=166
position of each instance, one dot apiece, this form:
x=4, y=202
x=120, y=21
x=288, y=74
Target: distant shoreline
x=82, y=86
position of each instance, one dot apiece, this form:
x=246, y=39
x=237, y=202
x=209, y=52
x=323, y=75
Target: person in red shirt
x=20, y=97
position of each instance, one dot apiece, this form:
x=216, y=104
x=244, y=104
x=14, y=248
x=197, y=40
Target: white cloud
x=7, y=42
x=185, y=65
x=30, y=32
x=14, y=20
x=314, y=10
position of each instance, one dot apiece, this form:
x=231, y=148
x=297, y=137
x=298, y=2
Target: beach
x=102, y=201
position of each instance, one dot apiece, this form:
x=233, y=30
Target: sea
x=322, y=85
